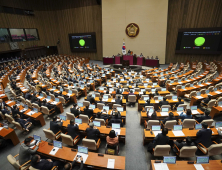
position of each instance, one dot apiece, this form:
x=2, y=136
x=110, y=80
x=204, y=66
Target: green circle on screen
x=82, y=42
x=199, y=41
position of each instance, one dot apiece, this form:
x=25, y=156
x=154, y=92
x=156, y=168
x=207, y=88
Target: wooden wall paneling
x=191, y=14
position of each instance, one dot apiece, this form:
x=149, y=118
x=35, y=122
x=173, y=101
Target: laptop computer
x=115, y=125
x=218, y=124
x=57, y=99
x=78, y=121
x=106, y=108
x=198, y=126
x=177, y=127
x=97, y=123
x=150, y=110
x=202, y=160
x=37, y=139
x=61, y=89
x=193, y=108
x=199, y=83
x=105, y=97
x=57, y=144
x=215, y=89
x=35, y=110
x=174, y=97
x=42, y=95
x=82, y=149
x=54, y=87
x=49, y=97
x=146, y=98
x=163, y=89
x=160, y=97
x=62, y=117
x=80, y=104
x=92, y=106
x=103, y=75
x=169, y=159
x=165, y=109
x=111, y=89
x=26, y=106
x=156, y=127
x=120, y=109
x=70, y=91
x=207, y=91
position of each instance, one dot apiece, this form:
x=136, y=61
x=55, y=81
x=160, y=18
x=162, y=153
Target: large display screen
x=17, y=34
x=199, y=41
x=82, y=42
x=4, y=36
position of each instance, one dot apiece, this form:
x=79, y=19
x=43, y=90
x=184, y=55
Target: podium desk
x=107, y=60
x=152, y=62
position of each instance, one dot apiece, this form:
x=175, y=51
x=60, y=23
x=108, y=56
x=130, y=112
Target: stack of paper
x=84, y=156
x=195, y=112
x=164, y=113
x=198, y=166
x=157, y=132
x=53, y=151
x=175, y=100
x=161, y=166
x=178, y=133
x=110, y=163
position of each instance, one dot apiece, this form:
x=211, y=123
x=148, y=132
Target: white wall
x=149, y=15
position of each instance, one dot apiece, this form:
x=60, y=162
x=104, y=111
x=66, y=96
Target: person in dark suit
x=170, y=117
x=43, y=164
x=55, y=126
x=207, y=116
x=116, y=119
x=119, y=100
x=71, y=166
x=73, y=129
x=179, y=102
x=118, y=91
x=34, y=98
x=28, y=96
x=88, y=112
x=179, y=145
x=205, y=101
x=90, y=99
x=164, y=102
x=204, y=135
x=92, y=133
x=3, y=108
x=75, y=110
x=160, y=139
x=15, y=110
x=99, y=115
x=25, y=123
x=148, y=103
x=188, y=115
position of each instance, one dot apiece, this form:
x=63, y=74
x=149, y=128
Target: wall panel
x=191, y=14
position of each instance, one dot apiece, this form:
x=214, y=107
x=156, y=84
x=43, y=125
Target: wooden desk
x=215, y=111
x=183, y=165
x=104, y=131
x=9, y=134
x=147, y=137
x=93, y=160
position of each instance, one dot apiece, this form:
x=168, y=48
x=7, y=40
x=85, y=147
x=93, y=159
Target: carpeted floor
x=136, y=154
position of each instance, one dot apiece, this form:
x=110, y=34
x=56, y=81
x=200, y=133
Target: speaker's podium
x=126, y=63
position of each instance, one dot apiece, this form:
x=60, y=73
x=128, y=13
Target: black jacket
x=119, y=101
x=28, y=96
x=55, y=127
x=115, y=120
x=75, y=111
x=163, y=103
x=43, y=165
x=33, y=99
x=180, y=145
x=178, y=103
x=73, y=165
x=168, y=118
x=73, y=130
x=204, y=137
x=203, y=118
x=161, y=139
x=92, y=134
x=88, y=112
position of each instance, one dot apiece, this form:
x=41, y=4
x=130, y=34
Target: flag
x=124, y=48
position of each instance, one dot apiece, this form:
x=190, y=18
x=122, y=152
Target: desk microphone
x=151, y=132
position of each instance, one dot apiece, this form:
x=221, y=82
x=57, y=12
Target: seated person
x=147, y=103
x=186, y=142
x=90, y=99
x=118, y=91
x=88, y=112
x=34, y=98
x=179, y=102
x=73, y=129
x=99, y=115
x=156, y=93
x=100, y=100
x=43, y=164
x=28, y=96
x=25, y=123
x=170, y=117
x=55, y=125
x=207, y=116
x=160, y=139
x=164, y=102
x=187, y=115
x=75, y=110
x=205, y=101
x=119, y=100
x=48, y=105
x=3, y=108
x=67, y=98
x=71, y=166
x=115, y=119
x=204, y=135
x=92, y=133
x=38, y=102
x=112, y=139
x=15, y=110
x=131, y=93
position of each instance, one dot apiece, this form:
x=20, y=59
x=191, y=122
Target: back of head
x=171, y=115
x=118, y=97
x=91, y=124
x=179, y=98
x=99, y=114
x=207, y=112
x=148, y=101
x=74, y=105
x=72, y=121
x=164, y=98
x=87, y=107
x=209, y=96
x=67, y=166
x=154, y=116
x=27, y=140
x=131, y=91
x=112, y=134
x=34, y=159
x=164, y=131
x=188, y=140
x=204, y=125
x=188, y=112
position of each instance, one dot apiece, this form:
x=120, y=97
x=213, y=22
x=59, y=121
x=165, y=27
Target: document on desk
x=117, y=131
x=110, y=163
x=105, y=100
x=157, y=132
x=53, y=151
x=175, y=100
x=195, y=112
x=156, y=101
x=208, y=83
x=198, y=166
x=199, y=97
x=9, y=102
x=54, y=103
x=1, y=128
x=2, y=95
x=178, y=133
x=161, y=166
x=164, y=113
x=217, y=92
x=83, y=155
x=30, y=113
x=113, y=100
x=39, y=97
x=201, y=85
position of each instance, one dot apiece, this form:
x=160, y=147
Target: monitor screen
x=198, y=126
x=17, y=35
x=156, y=127
x=150, y=110
x=153, y=90
x=198, y=93
x=4, y=36
x=106, y=108
x=38, y=138
x=78, y=121
x=93, y=95
x=145, y=84
x=193, y=107
x=215, y=89
x=177, y=127
x=165, y=109
x=62, y=117
x=57, y=99
x=42, y=95
x=83, y=149
x=142, y=90
x=179, y=109
x=57, y=144
x=70, y=91
x=26, y=106
x=105, y=96
x=32, y=34
x=183, y=87
x=146, y=98
x=163, y=89
x=202, y=159
x=218, y=124
x=160, y=97
x=92, y=106
x=97, y=123
x=83, y=42
x=154, y=84
x=49, y=97
x=169, y=159
x=207, y=91
x=61, y=89
x=174, y=97
x=35, y=110
x=54, y=87
x=80, y=104
x=120, y=109
x=115, y=125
